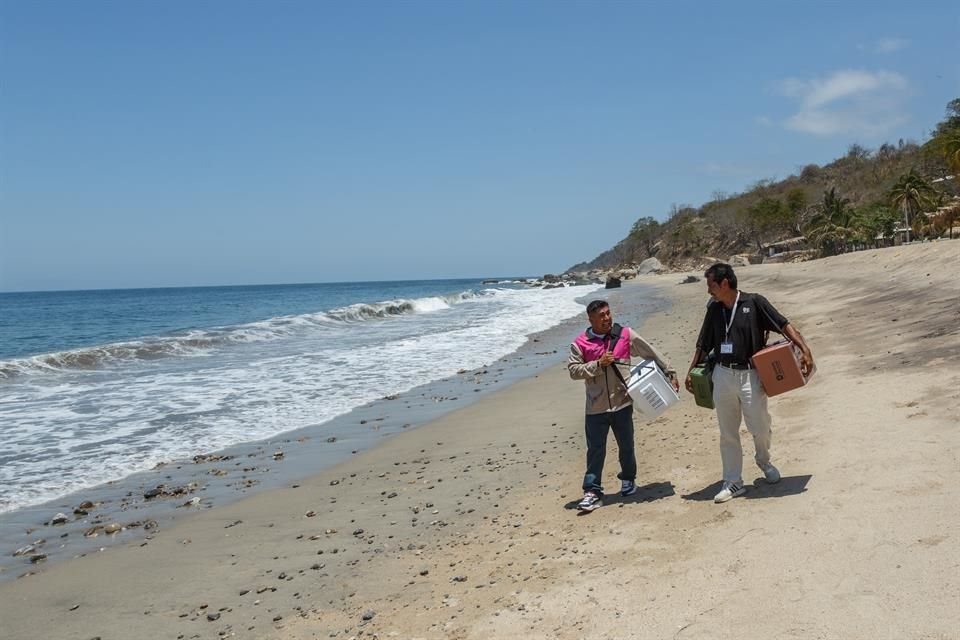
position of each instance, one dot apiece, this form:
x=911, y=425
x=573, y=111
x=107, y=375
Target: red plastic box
x=779, y=368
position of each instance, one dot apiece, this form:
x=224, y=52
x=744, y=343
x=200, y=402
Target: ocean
x=98, y=385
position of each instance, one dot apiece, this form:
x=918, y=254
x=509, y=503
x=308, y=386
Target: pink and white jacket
x=605, y=391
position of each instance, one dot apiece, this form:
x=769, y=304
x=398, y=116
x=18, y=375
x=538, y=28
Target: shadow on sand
x=788, y=486
x=646, y=493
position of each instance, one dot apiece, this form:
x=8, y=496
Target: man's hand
x=606, y=359
x=806, y=362
x=675, y=382
x=806, y=357
x=688, y=383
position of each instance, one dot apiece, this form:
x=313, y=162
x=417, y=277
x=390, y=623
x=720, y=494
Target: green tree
x=910, y=195
x=879, y=221
x=836, y=224
x=764, y=216
x=644, y=234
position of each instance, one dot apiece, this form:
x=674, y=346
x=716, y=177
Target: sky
x=178, y=143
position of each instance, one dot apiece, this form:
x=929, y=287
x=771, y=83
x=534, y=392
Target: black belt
x=736, y=365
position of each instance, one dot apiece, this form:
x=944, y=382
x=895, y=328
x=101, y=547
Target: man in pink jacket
x=596, y=357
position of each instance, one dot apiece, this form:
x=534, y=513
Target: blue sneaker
x=627, y=488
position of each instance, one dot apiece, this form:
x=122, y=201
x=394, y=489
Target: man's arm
x=776, y=318
x=643, y=349
x=698, y=357
x=580, y=370
x=806, y=356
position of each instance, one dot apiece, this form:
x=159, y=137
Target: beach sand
x=466, y=527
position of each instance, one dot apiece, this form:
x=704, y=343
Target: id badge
x=726, y=348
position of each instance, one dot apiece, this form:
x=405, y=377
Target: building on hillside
x=789, y=250
x=945, y=218
x=901, y=235
x=790, y=244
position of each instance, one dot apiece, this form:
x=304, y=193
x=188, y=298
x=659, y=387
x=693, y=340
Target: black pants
x=596, y=427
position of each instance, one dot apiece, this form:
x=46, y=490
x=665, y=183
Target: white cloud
x=890, y=45
x=848, y=101
x=827, y=123
x=842, y=84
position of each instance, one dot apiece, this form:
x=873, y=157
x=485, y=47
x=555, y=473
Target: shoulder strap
x=615, y=334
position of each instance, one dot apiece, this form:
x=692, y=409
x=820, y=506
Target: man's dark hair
x=721, y=271
x=596, y=305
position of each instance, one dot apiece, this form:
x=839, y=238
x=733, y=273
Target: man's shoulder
x=751, y=297
x=582, y=337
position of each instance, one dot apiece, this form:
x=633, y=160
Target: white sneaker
x=589, y=502
x=729, y=491
x=771, y=473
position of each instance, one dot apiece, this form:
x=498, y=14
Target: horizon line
x=265, y=284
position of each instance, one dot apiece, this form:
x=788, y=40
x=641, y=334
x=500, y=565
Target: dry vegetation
x=857, y=201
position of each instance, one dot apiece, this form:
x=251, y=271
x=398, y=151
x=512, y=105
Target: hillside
x=857, y=201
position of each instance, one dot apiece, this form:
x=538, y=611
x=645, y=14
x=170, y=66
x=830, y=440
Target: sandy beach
x=466, y=527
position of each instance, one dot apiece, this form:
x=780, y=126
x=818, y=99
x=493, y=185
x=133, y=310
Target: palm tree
x=911, y=194
x=836, y=223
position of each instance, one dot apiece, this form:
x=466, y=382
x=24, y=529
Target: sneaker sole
x=588, y=509
x=732, y=496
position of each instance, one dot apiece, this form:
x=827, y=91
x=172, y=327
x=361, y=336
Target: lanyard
x=732, y=314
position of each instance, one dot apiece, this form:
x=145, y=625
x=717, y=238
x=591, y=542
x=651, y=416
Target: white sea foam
x=85, y=427
x=196, y=343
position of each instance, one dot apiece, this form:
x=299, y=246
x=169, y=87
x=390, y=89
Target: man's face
x=601, y=320
x=713, y=288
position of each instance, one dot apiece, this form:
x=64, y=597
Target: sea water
x=98, y=385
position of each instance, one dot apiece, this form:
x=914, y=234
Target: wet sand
x=466, y=527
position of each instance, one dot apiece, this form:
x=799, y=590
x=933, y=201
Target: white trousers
x=737, y=393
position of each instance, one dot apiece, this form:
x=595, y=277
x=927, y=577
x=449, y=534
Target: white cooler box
x=651, y=391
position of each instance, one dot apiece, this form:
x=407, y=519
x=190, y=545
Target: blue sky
x=203, y=143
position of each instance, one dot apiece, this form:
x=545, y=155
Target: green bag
x=702, y=377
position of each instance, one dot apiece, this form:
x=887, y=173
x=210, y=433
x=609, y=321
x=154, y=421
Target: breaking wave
x=202, y=342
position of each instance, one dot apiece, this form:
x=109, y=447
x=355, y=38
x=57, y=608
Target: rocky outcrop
x=650, y=265
x=581, y=279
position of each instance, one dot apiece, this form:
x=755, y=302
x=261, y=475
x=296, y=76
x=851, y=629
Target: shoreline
x=214, y=479
x=466, y=527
